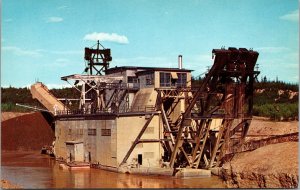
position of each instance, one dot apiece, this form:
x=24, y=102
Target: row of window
x=173, y=79
x=105, y=132
x=166, y=79
x=92, y=132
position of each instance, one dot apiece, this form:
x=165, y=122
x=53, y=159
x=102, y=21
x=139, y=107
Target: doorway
x=140, y=159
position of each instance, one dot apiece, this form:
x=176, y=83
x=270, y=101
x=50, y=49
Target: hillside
x=276, y=100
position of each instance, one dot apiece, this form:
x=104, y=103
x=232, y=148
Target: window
x=105, y=132
x=181, y=82
x=92, y=132
x=150, y=79
x=165, y=79
x=132, y=79
x=70, y=131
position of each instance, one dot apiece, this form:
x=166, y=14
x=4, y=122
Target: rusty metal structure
x=226, y=93
x=97, y=59
x=94, y=85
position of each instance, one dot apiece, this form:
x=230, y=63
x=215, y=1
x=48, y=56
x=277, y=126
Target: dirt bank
x=272, y=166
x=8, y=185
x=26, y=132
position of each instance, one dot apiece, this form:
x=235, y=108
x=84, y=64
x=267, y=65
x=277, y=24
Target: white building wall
x=110, y=150
x=128, y=129
x=106, y=144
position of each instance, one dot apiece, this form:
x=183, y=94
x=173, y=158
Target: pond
x=34, y=170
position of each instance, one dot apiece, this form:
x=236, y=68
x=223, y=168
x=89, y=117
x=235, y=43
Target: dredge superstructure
x=150, y=119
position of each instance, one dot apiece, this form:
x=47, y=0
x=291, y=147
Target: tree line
x=267, y=101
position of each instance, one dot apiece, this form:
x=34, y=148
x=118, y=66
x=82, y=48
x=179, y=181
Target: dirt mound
x=26, y=132
x=272, y=166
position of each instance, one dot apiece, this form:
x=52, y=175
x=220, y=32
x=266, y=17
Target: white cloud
x=55, y=19
x=22, y=52
x=113, y=37
x=292, y=16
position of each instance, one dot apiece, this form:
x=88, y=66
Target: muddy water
x=33, y=170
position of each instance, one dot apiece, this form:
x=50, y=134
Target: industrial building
x=151, y=120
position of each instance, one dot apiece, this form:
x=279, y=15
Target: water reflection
x=32, y=170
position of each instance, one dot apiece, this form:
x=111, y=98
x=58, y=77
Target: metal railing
x=134, y=86
x=144, y=109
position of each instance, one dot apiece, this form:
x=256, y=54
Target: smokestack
x=180, y=61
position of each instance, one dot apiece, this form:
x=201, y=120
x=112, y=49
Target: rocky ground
x=271, y=166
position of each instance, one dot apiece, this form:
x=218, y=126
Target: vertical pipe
x=180, y=61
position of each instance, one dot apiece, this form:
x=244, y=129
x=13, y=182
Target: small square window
x=92, y=132
x=105, y=132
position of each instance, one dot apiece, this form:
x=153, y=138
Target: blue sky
x=44, y=40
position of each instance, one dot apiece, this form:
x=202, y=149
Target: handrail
x=145, y=109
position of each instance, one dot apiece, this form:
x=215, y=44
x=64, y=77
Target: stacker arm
x=40, y=92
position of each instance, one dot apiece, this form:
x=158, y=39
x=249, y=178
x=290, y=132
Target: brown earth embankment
x=26, y=132
x=270, y=166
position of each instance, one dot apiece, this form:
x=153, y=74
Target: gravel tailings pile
x=272, y=166
x=26, y=132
